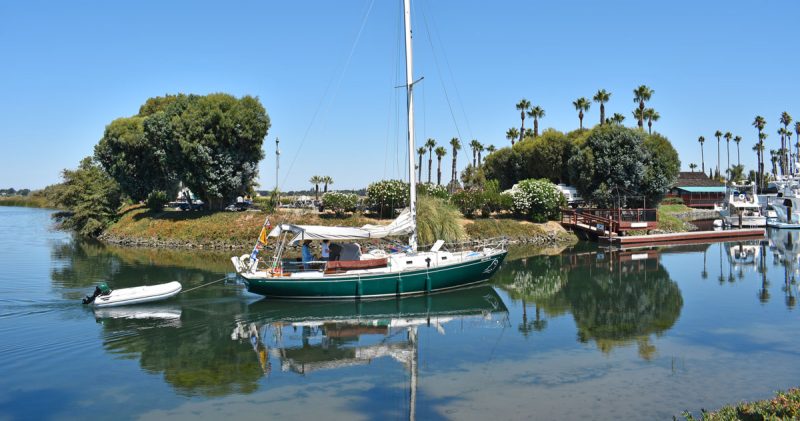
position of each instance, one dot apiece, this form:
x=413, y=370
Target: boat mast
x=412, y=196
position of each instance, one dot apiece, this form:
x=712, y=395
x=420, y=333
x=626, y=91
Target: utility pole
x=277, y=167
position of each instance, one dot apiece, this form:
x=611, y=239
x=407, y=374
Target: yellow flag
x=262, y=238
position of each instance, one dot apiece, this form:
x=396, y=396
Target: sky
x=327, y=74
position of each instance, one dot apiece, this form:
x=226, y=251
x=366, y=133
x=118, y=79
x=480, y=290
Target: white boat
x=785, y=206
x=741, y=207
x=106, y=297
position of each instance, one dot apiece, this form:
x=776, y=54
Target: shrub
x=156, y=200
x=437, y=220
x=468, y=201
x=538, y=200
x=386, y=196
x=672, y=201
x=492, y=198
x=433, y=190
x=340, y=202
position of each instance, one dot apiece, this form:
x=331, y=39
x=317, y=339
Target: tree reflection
x=616, y=298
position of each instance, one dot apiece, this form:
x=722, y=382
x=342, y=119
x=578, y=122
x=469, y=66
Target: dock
x=685, y=237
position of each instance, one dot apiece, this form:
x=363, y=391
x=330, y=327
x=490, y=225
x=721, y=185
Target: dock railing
x=611, y=220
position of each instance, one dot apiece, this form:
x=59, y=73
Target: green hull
x=380, y=285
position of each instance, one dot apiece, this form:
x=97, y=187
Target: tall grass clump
x=438, y=220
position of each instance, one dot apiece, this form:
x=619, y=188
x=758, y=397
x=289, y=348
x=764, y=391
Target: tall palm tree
x=759, y=123
x=692, y=166
x=536, y=112
x=327, y=180
x=617, y=118
x=480, y=150
x=474, y=144
x=522, y=106
x=761, y=138
x=316, y=181
x=440, y=152
x=702, y=140
x=738, y=139
x=602, y=97
x=456, y=145
x=773, y=154
x=728, y=137
x=782, y=133
x=430, y=144
x=421, y=152
x=641, y=95
x=786, y=120
x=651, y=115
x=638, y=114
x=718, y=135
x=512, y=134
x=581, y=104
x=797, y=132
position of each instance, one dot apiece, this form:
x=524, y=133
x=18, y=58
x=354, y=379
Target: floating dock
x=683, y=237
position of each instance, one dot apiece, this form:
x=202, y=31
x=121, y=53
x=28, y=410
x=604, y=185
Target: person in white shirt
x=326, y=250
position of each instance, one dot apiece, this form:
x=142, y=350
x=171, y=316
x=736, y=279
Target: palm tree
x=702, y=140
x=480, y=150
x=786, y=120
x=326, y=179
x=440, y=152
x=638, y=114
x=490, y=149
x=738, y=139
x=617, y=118
x=651, y=115
x=522, y=106
x=316, y=181
x=773, y=157
x=456, y=144
x=528, y=133
x=728, y=137
x=421, y=152
x=692, y=166
x=759, y=123
x=782, y=133
x=797, y=132
x=474, y=145
x=430, y=144
x=512, y=134
x=536, y=112
x=718, y=135
x=641, y=95
x=602, y=97
x=581, y=104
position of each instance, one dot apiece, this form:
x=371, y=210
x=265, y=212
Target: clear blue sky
x=70, y=68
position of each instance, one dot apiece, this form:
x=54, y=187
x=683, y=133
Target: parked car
x=239, y=206
x=185, y=206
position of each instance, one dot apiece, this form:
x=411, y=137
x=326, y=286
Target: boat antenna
x=412, y=196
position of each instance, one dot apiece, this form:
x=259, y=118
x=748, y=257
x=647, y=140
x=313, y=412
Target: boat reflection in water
x=785, y=247
x=304, y=337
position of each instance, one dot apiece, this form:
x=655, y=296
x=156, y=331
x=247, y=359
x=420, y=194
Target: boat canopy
x=402, y=225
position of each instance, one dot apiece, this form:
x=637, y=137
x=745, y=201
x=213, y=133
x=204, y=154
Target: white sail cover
x=402, y=225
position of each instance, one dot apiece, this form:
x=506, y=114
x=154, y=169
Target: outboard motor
x=101, y=289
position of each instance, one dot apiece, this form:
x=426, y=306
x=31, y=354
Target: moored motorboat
x=105, y=297
x=741, y=207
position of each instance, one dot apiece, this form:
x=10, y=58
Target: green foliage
x=432, y=190
x=661, y=169
x=784, y=406
x=91, y=195
x=156, y=200
x=437, y=220
x=608, y=169
x=504, y=165
x=539, y=200
x=139, y=163
x=473, y=177
x=672, y=201
x=212, y=143
x=340, y=203
x=543, y=157
x=468, y=201
x=387, y=195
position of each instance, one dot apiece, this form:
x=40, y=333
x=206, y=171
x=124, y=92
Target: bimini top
x=402, y=225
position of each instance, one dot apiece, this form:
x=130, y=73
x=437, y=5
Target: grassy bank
x=784, y=406
x=24, y=201
x=138, y=226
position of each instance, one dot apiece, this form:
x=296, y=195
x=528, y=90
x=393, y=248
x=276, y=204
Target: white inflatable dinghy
x=106, y=297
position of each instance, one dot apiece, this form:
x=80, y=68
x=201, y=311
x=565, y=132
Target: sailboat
x=377, y=273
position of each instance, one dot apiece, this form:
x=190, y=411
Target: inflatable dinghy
x=106, y=297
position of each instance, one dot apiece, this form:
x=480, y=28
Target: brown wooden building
x=697, y=190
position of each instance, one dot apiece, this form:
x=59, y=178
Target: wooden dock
x=684, y=237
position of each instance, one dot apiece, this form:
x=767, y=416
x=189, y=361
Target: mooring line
x=192, y=289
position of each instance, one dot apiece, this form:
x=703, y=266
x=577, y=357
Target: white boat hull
x=138, y=295
x=747, y=221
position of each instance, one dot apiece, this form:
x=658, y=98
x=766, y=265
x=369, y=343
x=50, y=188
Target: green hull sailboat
x=377, y=273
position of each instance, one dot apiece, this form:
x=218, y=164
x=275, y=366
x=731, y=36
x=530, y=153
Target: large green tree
x=212, y=143
x=91, y=196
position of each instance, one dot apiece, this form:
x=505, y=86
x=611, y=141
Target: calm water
x=586, y=333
